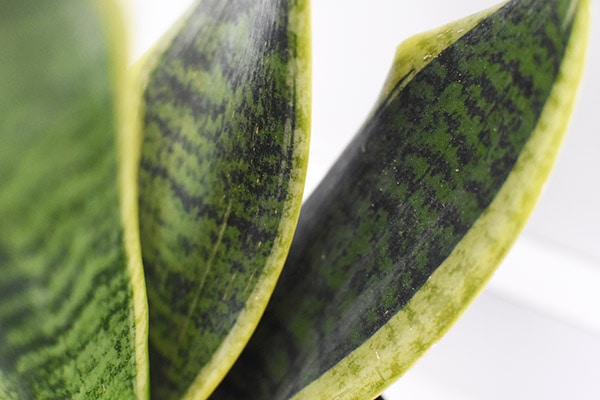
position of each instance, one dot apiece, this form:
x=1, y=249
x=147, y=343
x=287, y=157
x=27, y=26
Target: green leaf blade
x=67, y=312
x=221, y=176
x=412, y=220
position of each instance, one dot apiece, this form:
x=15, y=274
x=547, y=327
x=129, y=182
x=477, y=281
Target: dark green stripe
x=403, y=194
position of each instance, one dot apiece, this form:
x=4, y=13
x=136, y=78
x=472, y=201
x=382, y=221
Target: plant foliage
x=146, y=216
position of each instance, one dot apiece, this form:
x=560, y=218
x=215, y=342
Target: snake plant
x=153, y=242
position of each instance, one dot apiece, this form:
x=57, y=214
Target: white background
x=534, y=333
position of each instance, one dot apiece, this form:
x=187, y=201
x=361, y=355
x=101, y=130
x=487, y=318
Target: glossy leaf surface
x=225, y=141
x=68, y=325
x=421, y=207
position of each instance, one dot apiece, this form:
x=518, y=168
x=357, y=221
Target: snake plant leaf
x=421, y=207
x=72, y=300
x=224, y=153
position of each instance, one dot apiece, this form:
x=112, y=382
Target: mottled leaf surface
x=67, y=325
x=225, y=140
x=413, y=218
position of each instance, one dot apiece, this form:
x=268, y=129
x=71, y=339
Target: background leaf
x=221, y=175
x=418, y=211
x=68, y=325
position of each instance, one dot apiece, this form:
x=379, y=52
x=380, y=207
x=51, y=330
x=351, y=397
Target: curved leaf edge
x=376, y=364
x=128, y=146
x=127, y=98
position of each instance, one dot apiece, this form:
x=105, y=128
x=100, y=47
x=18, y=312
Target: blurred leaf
x=69, y=327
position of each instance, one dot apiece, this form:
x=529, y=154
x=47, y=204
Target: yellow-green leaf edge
x=368, y=370
x=127, y=98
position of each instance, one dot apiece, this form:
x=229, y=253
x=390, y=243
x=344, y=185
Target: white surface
x=501, y=350
x=535, y=331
